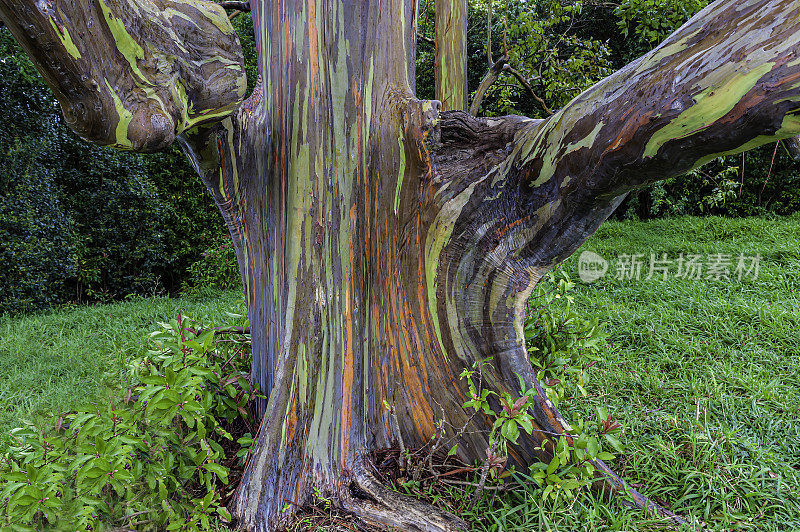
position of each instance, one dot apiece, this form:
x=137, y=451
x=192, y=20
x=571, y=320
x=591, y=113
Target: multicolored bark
x=450, y=69
x=133, y=73
x=385, y=245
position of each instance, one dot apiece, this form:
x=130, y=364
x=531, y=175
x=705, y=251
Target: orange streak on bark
x=347, y=362
x=628, y=130
x=312, y=48
x=502, y=231
x=419, y=355
x=292, y=426
x=752, y=98
x=347, y=373
x=413, y=385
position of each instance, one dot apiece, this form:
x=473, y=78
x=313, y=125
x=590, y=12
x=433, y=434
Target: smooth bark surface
x=384, y=245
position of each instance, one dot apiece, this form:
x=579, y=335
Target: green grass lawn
x=704, y=375
x=60, y=359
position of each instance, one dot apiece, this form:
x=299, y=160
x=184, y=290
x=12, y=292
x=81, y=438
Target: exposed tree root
x=635, y=499
x=377, y=505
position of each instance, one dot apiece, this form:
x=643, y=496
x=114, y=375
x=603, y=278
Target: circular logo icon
x=591, y=266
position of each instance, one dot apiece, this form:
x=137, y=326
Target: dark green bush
x=36, y=245
x=36, y=232
x=82, y=223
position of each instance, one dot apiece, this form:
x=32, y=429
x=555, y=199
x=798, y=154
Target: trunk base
x=376, y=505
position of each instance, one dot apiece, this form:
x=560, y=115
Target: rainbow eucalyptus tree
x=385, y=246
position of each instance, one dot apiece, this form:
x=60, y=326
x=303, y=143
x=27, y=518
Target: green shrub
x=159, y=456
x=562, y=344
x=36, y=244
x=216, y=269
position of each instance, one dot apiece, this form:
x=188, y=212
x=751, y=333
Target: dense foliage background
x=80, y=223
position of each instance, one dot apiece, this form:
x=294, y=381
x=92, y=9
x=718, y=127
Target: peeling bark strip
x=385, y=246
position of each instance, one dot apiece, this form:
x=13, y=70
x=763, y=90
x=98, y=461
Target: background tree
x=384, y=246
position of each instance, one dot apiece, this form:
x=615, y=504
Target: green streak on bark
x=437, y=237
x=669, y=50
x=368, y=97
x=66, y=40
x=126, y=44
x=554, y=153
x=711, y=105
x=790, y=127
x=125, y=118
x=400, y=173
x=188, y=117
x=215, y=14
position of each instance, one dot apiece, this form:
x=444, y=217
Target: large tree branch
x=727, y=81
x=512, y=197
x=133, y=73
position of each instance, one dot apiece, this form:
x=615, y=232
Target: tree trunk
x=450, y=69
x=384, y=245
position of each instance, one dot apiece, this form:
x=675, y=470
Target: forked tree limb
x=534, y=190
x=488, y=80
x=493, y=74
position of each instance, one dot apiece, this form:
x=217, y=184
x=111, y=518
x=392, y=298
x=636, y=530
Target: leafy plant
x=217, y=268
x=651, y=21
x=508, y=420
x=155, y=458
x=563, y=346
